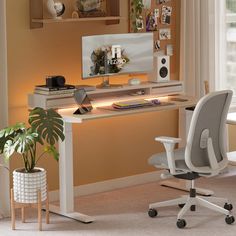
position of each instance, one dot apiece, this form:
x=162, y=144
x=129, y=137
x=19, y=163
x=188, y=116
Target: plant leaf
x=9, y=133
x=9, y=149
x=53, y=151
x=24, y=141
x=48, y=124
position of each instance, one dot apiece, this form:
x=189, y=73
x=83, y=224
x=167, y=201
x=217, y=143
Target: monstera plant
x=46, y=128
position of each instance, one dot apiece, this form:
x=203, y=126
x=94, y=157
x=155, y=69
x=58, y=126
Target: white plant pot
x=26, y=186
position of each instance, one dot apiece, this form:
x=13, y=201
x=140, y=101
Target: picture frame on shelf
x=91, y=8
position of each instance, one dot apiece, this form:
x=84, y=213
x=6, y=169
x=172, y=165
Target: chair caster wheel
x=181, y=223
x=193, y=208
x=229, y=220
x=228, y=207
x=152, y=212
x=181, y=205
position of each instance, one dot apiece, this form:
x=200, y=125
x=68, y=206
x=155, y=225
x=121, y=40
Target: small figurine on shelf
x=55, y=9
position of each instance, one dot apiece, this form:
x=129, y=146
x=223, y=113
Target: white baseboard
x=110, y=185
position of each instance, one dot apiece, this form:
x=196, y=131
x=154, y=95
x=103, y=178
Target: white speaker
x=161, y=69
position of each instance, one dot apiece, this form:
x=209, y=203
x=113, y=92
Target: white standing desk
x=66, y=207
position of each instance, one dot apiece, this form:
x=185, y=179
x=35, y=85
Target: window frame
x=222, y=18
x=229, y=18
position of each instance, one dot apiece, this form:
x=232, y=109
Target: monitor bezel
x=115, y=74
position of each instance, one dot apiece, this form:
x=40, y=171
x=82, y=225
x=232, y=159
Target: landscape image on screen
x=117, y=54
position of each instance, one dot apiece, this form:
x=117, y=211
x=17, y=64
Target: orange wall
x=103, y=149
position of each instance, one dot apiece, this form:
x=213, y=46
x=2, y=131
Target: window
x=230, y=80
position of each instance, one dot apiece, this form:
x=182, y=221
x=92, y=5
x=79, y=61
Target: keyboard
x=135, y=103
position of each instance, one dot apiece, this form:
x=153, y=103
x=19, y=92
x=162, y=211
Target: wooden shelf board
x=107, y=18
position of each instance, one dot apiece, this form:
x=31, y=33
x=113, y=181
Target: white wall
x=4, y=174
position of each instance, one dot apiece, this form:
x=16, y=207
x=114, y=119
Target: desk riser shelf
x=127, y=92
x=133, y=94
x=144, y=85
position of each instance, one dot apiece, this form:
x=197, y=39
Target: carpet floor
x=124, y=212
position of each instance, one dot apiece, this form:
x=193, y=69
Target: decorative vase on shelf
x=55, y=9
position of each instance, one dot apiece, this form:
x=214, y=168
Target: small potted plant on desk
x=29, y=182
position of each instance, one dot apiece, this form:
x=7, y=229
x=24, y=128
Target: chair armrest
x=164, y=139
x=212, y=157
x=169, y=144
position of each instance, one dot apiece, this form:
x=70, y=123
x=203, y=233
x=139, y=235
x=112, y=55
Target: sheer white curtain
x=200, y=44
x=220, y=38
x=200, y=54
x=4, y=174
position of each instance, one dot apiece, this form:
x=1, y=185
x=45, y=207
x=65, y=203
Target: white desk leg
x=66, y=180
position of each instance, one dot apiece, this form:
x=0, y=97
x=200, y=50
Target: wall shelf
x=48, y=21
x=37, y=19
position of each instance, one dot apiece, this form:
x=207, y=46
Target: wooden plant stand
x=15, y=205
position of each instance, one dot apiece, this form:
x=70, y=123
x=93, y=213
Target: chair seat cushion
x=160, y=160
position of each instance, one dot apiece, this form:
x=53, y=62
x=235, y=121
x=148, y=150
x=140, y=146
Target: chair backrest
x=208, y=122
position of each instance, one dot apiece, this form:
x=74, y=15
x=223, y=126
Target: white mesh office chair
x=203, y=156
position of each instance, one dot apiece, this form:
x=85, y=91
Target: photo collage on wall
x=153, y=16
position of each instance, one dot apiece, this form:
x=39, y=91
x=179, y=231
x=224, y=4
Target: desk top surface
x=98, y=113
x=231, y=118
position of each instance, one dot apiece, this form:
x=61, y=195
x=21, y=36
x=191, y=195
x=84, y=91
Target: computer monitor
x=113, y=54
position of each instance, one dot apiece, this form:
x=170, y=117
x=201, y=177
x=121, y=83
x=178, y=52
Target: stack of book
x=67, y=90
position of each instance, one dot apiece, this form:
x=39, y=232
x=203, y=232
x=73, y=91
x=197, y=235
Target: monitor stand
x=106, y=84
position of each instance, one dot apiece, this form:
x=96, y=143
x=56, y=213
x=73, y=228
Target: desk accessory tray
x=111, y=108
x=134, y=103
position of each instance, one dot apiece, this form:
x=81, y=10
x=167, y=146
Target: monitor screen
x=117, y=54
